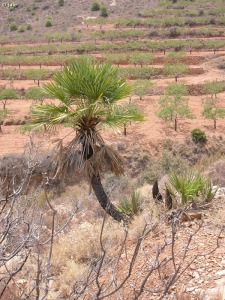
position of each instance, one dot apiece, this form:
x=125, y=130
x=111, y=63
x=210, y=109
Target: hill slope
x=63, y=18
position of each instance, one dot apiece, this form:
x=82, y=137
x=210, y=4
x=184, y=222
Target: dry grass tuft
x=73, y=251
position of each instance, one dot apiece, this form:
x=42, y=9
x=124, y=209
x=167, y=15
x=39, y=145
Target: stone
x=196, y=275
x=190, y=216
x=221, y=273
x=191, y=289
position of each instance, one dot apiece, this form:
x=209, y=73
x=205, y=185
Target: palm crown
x=88, y=94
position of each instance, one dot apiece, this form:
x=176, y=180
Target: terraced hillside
x=172, y=52
x=187, y=44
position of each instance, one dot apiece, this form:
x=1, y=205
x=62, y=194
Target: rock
x=8, y=122
x=191, y=289
x=221, y=273
x=190, y=216
x=200, y=281
x=196, y=275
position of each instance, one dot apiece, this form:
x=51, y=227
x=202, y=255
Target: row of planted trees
x=144, y=45
x=174, y=104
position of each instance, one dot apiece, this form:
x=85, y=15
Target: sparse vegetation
x=131, y=206
x=95, y=6
x=176, y=70
x=29, y=27
x=7, y=94
x=198, y=136
x=214, y=87
x=190, y=187
x=104, y=12
x=21, y=29
x=48, y=22
x=212, y=110
x=174, y=104
x=154, y=255
x=13, y=27
x=3, y=115
x=35, y=93
x=61, y=2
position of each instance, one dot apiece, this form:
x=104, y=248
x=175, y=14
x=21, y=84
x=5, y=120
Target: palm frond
x=106, y=159
x=120, y=114
x=189, y=187
x=83, y=79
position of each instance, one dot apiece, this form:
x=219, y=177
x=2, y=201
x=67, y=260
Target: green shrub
x=48, y=22
x=173, y=32
x=221, y=65
x=3, y=115
x=61, y=2
x=95, y=6
x=21, y=29
x=8, y=94
x=13, y=27
x=29, y=27
x=131, y=206
x=104, y=12
x=190, y=187
x=35, y=93
x=10, y=19
x=198, y=136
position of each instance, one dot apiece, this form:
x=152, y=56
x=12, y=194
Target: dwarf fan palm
x=88, y=94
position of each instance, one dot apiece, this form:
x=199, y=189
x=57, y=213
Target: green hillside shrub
x=104, y=12
x=131, y=206
x=95, y=6
x=48, y=22
x=198, y=136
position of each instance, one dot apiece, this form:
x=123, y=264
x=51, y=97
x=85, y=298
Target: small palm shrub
x=29, y=27
x=48, y=23
x=198, y=136
x=190, y=187
x=104, y=12
x=131, y=206
x=21, y=29
x=13, y=27
x=95, y=6
x=61, y=2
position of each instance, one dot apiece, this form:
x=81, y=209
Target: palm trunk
x=100, y=193
x=175, y=124
x=104, y=200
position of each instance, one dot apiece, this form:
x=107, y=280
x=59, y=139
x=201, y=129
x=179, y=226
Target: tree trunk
x=155, y=192
x=100, y=193
x=214, y=120
x=104, y=201
x=168, y=200
x=175, y=124
x=125, y=129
